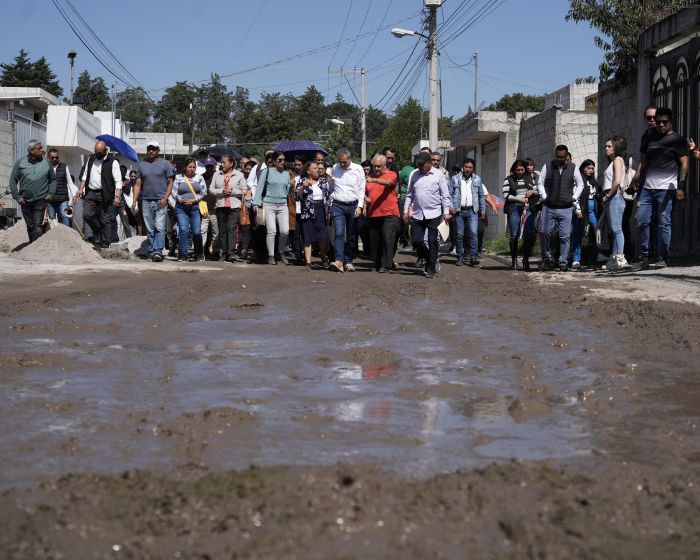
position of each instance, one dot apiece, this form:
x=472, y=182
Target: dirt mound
x=60, y=245
x=14, y=236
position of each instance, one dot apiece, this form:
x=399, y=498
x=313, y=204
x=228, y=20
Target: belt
x=353, y=203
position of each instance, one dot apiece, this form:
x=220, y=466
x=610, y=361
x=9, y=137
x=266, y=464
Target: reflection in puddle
x=419, y=403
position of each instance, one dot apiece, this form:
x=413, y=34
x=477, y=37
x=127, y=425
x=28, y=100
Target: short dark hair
x=664, y=112
x=388, y=149
x=649, y=107
x=561, y=148
x=530, y=161
x=366, y=163
x=52, y=151
x=300, y=159
x=468, y=160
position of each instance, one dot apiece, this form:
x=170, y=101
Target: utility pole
x=114, y=105
x=433, y=52
x=363, y=116
x=476, y=81
x=362, y=101
x=71, y=57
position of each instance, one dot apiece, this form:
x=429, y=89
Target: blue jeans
x=189, y=220
x=59, y=208
x=657, y=203
x=514, y=224
x=616, y=209
x=577, y=227
x=471, y=220
x=559, y=218
x=344, y=222
x=155, y=222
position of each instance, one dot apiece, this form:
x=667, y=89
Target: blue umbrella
x=118, y=145
x=306, y=148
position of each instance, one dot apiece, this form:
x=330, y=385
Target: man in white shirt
x=348, y=201
x=100, y=188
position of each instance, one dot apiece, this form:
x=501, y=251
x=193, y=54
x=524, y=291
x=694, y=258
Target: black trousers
x=429, y=253
x=97, y=212
x=228, y=220
x=33, y=214
x=382, y=235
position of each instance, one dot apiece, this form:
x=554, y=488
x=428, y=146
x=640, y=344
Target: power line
x=374, y=37
x=364, y=19
x=347, y=16
x=245, y=37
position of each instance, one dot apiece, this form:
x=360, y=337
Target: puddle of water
x=442, y=398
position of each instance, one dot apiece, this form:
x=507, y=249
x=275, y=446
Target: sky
x=524, y=45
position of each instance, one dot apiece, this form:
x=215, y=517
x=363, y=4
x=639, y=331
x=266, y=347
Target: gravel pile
x=60, y=245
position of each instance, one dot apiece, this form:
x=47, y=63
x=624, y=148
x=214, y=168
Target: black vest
x=559, y=186
x=61, y=194
x=108, y=185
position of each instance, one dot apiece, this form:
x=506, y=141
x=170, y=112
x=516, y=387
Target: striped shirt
x=520, y=191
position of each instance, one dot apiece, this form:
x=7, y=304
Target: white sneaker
x=622, y=262
x=575, y=265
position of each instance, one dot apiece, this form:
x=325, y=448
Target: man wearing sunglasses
x=664, y=166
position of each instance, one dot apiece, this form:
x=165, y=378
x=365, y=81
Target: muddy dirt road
x=260, y=412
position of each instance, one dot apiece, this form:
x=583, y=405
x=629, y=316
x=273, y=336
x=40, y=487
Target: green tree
x=242, y=114
x=22, y=72
x=621, y=22
x=173, y=113
x=134, y=106
x=376, y=123
x=403, y=130
x=309, y=112
x=92, y=94
x=214, y=112
x=341, y=137
x=518, y=102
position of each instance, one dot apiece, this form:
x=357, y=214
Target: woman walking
x=615, y=151
x=313, y=192
x=517, y=190
x=272, y=191
x=188, y=190
x=228, y=187
x=585, y=221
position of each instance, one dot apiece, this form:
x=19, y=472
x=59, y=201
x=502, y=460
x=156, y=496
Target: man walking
x=382, y=213
x=100, y=189
x=468, y=206
x=348, y=201
x=429, y=197
x=664, y=166
x=559, y=186
x=155, y=181
x=33, y=184
x=65, y=189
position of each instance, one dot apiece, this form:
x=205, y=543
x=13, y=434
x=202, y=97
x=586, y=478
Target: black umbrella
x=217, y=151
x=305, y=148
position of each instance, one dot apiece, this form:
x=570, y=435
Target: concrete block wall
x=571, y=97
x=6, y=155
x=578, y=130
x=538, y=137
x=617, y=116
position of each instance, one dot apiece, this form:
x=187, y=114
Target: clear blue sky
x=523, y=46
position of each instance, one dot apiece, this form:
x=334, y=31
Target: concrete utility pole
x=433, y=53
x=476, y=81
x=71, y=57
x=114, y=105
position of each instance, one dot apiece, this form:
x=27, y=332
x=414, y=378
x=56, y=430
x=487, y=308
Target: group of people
x=264, y=211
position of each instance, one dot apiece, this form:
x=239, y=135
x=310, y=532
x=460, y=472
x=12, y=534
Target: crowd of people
x=281, y=210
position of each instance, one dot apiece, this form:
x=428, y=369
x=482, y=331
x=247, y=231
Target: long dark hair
x=592, y=180
x=518, y=163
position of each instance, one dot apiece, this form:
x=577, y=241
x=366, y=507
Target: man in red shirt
x=382, y=213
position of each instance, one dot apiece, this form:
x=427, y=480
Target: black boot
x=514, y=255
x=527, y=251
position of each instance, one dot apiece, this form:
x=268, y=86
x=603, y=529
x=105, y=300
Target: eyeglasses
x=663, y=122
x=280, y=159
x=649, y=117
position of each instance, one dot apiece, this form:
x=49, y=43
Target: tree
x=309, y=113
x=518, y=102
x=622, y=21
x=23, y=73
x=403, y=130
x=92, y=94
x=173, y=113
x=214, y=112
x=135, y=107
x=340, y=137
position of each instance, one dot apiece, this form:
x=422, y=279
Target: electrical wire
x=364, y=19
x=245, y=37
x=342, y=33
x=374, y=37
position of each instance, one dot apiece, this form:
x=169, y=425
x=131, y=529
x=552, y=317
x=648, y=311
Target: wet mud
x=259, y=412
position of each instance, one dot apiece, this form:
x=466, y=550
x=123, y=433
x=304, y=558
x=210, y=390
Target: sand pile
x=14, y=236
x=61, y=245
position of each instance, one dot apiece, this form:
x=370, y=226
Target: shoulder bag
x=203, y=208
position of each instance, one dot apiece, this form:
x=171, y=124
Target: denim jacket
x=455, y=187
